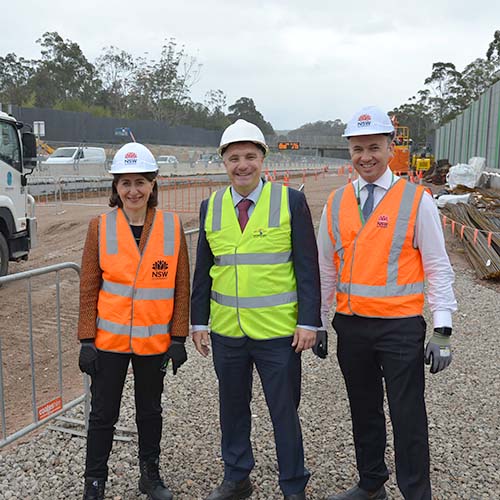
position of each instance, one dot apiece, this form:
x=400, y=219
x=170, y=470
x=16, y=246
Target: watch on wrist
x=443, y=330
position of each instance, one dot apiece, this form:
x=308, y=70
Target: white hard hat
x=133, y=158
x=242, y=131
x=369, y=120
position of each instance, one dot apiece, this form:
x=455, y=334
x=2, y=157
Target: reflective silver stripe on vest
x=141, y=332
x=275, y=205
x=339, y=247
x=217, y=210
x=253, y=259
x=392, y=288
x=139, y=293
x=254, y=302
x=402, y=223
x=168, y=234
x=111, y=234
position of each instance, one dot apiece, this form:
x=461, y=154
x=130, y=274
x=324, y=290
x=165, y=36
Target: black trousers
x=106, y=390
x=369, y=350
x=279, y=368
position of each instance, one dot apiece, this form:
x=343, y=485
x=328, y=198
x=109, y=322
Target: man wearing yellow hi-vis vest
x=257, y=281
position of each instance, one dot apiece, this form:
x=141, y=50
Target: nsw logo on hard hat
x=130, y=158
x=364, y=120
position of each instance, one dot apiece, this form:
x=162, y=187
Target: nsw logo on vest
x=130, y=158
x=364, y=121
x=259, y=233
x=383, y=221
x=160, y=269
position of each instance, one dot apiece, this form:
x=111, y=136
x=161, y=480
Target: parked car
x=77, y=160
x=167, y=160
x=207, y=159
x=166, y=163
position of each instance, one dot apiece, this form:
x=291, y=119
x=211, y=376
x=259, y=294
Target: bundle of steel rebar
x=483, y=198
x=480, y=235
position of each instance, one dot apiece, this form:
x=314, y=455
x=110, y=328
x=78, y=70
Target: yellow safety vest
x=254, y=290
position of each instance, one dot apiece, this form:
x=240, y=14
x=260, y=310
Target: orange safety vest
x=136, y=300
x=379, y=271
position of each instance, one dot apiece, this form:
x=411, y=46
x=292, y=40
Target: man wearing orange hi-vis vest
x=134, y=307
x=378, y=239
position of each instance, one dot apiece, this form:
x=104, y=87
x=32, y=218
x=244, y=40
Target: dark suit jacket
x=304, y=257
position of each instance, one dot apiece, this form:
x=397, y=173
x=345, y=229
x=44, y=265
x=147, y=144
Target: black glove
x=177, y=353
x=89, y=358
x=320, y=348
x=438, y=352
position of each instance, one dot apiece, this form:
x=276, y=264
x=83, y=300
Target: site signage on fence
x=49, y=408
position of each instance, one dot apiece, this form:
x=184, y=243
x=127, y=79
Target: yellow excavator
x=43, y=145
x=422, y=159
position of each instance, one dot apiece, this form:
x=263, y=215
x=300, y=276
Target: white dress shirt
x=429, y=240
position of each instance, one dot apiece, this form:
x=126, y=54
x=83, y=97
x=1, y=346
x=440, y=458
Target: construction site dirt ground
x=61, y=235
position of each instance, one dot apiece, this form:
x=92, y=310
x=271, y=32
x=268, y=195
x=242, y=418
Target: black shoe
x=232, y=490
x=296, y=496
x=150, y=482
x=94, y=488
x=357, y=493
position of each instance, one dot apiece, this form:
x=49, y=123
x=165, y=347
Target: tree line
x=448, y=92
x=118, y=84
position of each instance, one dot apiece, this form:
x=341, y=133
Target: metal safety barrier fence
x=49, y=410
x=53, y=409
x=181, y=194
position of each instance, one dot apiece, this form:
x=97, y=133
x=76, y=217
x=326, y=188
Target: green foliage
x=116, y=85
x=329, y=128
x=245, y=108
x=81, y=107
x=449, y=92
x=15, y=79
x=63, y=73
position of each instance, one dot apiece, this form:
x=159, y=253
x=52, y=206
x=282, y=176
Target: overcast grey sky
x=301, y=61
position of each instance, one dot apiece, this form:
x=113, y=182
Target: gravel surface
x=462, y=405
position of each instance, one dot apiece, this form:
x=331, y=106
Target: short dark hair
x=115, y=201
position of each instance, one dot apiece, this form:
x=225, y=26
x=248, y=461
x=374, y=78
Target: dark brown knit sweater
x=91, y=278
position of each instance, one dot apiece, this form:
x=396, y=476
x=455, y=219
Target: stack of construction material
x=481, y=198
x=479, y=231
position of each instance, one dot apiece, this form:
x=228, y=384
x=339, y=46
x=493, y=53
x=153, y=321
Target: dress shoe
x=232, y=490
x=296, y=496
x=357, y=493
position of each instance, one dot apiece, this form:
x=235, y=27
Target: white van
x=87, y=161
x=166, y=163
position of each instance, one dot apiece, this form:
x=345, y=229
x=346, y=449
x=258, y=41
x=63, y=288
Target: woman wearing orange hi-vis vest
x=379, y=238
x=134, y=307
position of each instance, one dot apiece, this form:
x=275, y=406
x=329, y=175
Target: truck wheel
x=4, y=256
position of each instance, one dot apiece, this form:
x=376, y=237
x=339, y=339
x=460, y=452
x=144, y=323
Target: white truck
x=17, y=206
